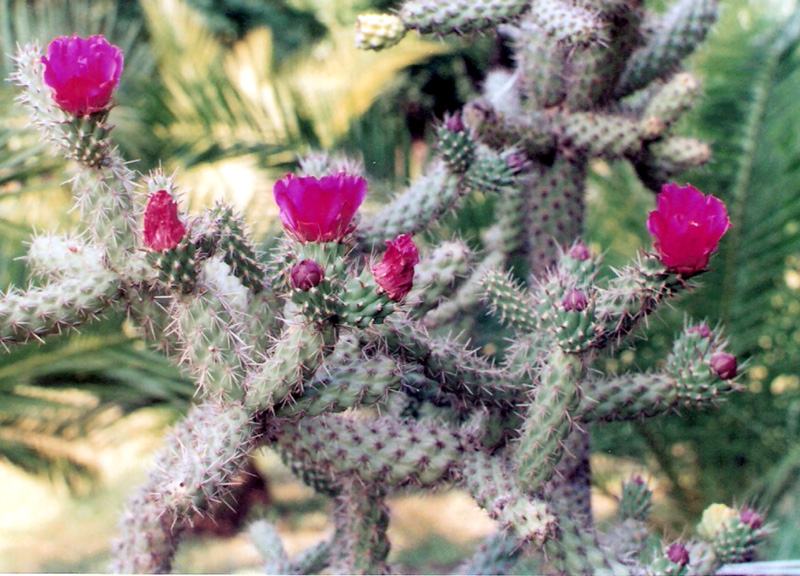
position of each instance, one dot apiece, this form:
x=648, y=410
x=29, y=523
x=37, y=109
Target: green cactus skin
x=578, y=552
x=605, y=135
x=636, y=500
x=540, y=63
x=567, y=23
x=507, y=300
x=702, y=560
x=626, y=539
x=297, y=354
x=497, y=554
x=364, y=303
x=676, y=36
x=457, y=149
x=662, y=566
x=441, y=271
x=361, y=518
x=30, y=315
x=430, y=196
x=178, y=268
x=347, y=379
x=53, y=257
x=313, y=560
x=489, y=173
x=194, y=468
x=491, y=481
x=268, y=543
x=387, y=450
x=532, y=133
x=663, y=160
x=459, y=16
x=548, y=421
x=673, y=99
x=737, y=542
x=237, y=249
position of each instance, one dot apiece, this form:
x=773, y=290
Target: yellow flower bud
x=378, y=31
x=716, y=518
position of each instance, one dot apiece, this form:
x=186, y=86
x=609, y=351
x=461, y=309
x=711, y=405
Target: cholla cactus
x=280, y=345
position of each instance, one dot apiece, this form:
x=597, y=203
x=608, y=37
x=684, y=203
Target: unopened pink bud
x=575, y=301
x=306, y=274
x=454, y=123
x=580, y=251
x=701, y=330
x=751, y=518
x=724, y=365
x=678, y=554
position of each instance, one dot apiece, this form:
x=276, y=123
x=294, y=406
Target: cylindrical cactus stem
x=532, y=133
x=237, y=249
x=388, y=450
x=497, y=554
x=661, y=161
x=492, y=482
x=200, y=459
x=510, y=302
x=549, y=420
x=568, y=492
x=577, y=551
x=605, y=135
x=671, y=561
x=733, y=534
x=268, y=543
x=428, y=197
x=702, y=560
x=567, y=22
x=627, y=537
x=51, y=256
x=636, y=500
x=459, y=16
x=361, y=518
x=212, y=342
x=676, y=35
x=313, y=560
x=541, y=60
x=468, y=295
x=294, y=357
x=673, y=99
x=378, y=31
x=459, y=371
x=440, y=272
x=347, y=378
x=58, y=306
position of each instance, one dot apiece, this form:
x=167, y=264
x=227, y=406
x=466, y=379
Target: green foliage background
x=228, y=92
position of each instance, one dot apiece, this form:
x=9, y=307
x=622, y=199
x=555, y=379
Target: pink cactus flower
x=306, y=274
x=82, y=72
x=163, y=229
x=395, y=272
x=687, y=227
x=319, y=209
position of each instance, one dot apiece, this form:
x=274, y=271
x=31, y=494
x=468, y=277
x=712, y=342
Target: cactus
x=337, y=347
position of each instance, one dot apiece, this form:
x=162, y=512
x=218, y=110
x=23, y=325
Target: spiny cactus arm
x=347, y=378
x=663, y=160
x=31, y=314
x=103, y=185
x=532, y=132
x=441, y=271
x=509, y=302
x=733, y=534
x=313, y=560
x=294, y=357
x=492, y=483
x=577, y=551
x=236, y=247
x=679, y=32
x=361, y=518
x=459, y=371
x=702, y=560
x=269, y=545
x=612, y=136
x=672, y=100
x=468, y=294
x=497, y=554
x=567, y=22
x=627, y=537
x=385, y=449
x=549, y=420
x=209, y=327
x=52, y=256
x=200, y=458
x=459, y=16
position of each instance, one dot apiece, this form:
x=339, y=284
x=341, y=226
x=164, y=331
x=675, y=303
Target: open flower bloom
x=163, y=229
x=319, y=209
x=395, y=272
x=687, y=227
x=82, y=72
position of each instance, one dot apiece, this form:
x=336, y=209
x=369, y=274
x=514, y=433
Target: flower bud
x=751, y=518
x=454, y=123
x=724, y=365
x=395, y=272
x=701, y=330
x=678, y=554
x=306, y=274
x=580, y=251
x=518, y=162
x=82, y=73
x=163, y=229
x=636, y=479
x=575, y=301
x=716, y=518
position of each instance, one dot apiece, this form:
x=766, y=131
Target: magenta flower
x=82, y=72
x=319, y=209
x=687, y=227
x=163, y=229
x=395, y=272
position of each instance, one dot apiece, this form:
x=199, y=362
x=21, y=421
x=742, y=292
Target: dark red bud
x=701, y=329
x=724, y=365
x=454, y=123
x=575, y=301
x=678, y=554
x=751, y=518
x=306, y=274
x=580, y=251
